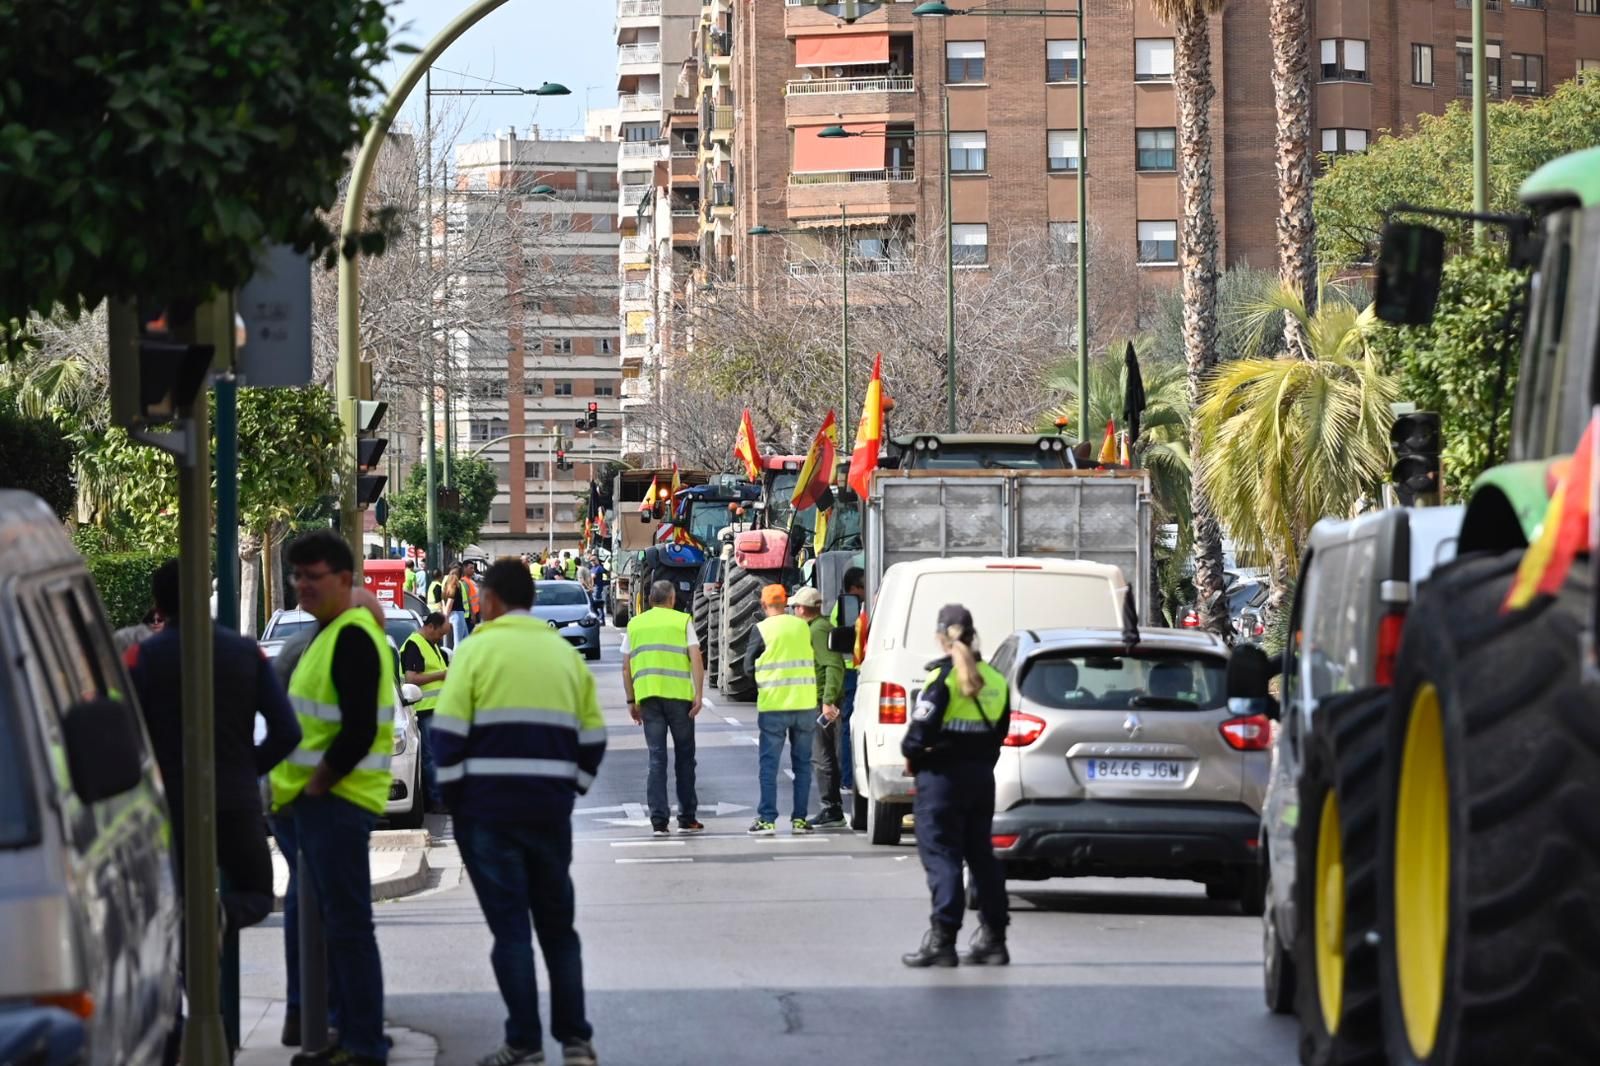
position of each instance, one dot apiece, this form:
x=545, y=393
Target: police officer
x=424, y=665
x=335, y=784
x=952, y=744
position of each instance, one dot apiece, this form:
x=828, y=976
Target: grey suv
x=88, y=907
x=1357, y=578
x=1128, y=762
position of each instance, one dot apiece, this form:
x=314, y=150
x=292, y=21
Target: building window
x=1061, y=61
x=1527, y=74
x=971, y=243
x=1157, y=149
x=604, y=388
x=561, y=346
x=607, y=345
x=1491, y=63
x=1343, y=141
x=533, y=387
x=642, y=131
x=963, y=61
x=534, y=512
x=563, y=388
x=969, y=153
x=1589, y=7
x=1527, y=3
x=1063, y=242
x=1344, y=60
x=499, y=514
x=1158, y=242
x=1422, y=63
x=1063, y=151
x=1152, y=59
x=1589, y=68
x=483, y=430
x=533, y=471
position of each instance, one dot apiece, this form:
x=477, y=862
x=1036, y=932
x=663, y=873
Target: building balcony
x=854, y=177
x=635, y=15
x=829, y=97
x=633, y=195
x=633, y=104
x=721, y=123
x=891, y=191
x=874, y=16
x=638, y=59
x=636, y=296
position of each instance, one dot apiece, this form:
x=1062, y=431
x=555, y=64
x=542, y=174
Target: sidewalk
x=398, y=859
x=261, y=1021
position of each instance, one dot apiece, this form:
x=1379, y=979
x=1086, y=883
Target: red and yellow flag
x=869, y=433
x=1565, y=530
x=818, y=469
x=860, y=650
x=746, y=449
x=647, y=504
x=1122, y=451
x=1108, y=447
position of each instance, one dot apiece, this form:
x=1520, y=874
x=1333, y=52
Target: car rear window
x=19, y=818
x=1003, y=601
x=284, y=628
x=559, y=594
x=1114, y=680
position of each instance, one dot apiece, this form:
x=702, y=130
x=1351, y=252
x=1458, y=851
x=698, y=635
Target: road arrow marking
x=600, y=810
x=731, y=720
x=721, y=809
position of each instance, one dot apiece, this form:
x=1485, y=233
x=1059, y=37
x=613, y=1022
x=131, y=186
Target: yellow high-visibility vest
x=658, y=655
x=432, y=663
x=786, y=672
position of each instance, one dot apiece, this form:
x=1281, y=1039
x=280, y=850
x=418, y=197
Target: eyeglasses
x=306, y=577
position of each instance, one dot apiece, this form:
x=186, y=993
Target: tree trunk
x=1197, y=255
x=250, y=545
x=1288, y=24
x=271, y=568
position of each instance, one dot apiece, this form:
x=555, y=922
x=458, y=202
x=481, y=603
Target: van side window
x=1322, y=659
x=86, y=674
x=1004, y=655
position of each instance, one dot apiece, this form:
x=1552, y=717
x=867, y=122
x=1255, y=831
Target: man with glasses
x=336, y=783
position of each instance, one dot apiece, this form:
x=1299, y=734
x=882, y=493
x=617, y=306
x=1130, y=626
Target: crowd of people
x=454, y=593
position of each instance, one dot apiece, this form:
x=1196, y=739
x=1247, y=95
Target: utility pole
x=430, y=457
x=1480, y=121
x=844, y=324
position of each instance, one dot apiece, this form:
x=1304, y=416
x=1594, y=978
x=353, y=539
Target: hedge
x=124, y=582
x=38, y=458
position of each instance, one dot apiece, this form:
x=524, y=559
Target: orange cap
x=774, y=596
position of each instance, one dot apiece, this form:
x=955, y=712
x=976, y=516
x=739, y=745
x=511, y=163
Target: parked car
x=1129, y=762
x=89, y=915
x=1004, y=595
x=565, y=605
x=405, y=807
x=398, y=622
x=1357, y=578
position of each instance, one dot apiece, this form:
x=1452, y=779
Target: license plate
x=1148, y=771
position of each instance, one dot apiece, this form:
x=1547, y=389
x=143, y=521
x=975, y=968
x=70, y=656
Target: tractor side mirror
x=1410, y=266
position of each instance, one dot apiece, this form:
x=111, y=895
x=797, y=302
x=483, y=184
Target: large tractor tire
x=1336, y=901
x=741, y=605
x=1489, y=860
x=712, y=648
x=703, y=628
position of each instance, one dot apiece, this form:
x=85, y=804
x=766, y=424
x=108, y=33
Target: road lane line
x=746, y=740
x=810, y=858
x=731, y=720
x=648, y=843
x=788, y=773
x=633, y=811
x=675, y=858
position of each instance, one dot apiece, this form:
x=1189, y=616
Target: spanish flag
x=860, y=650
x=821, y=536
x=818, y=469
x=677, y=486
x=1564, y=532
x=651, y=498
x=1122, y=452
x=869, y=433
x=746, y=449
x=1108, y=447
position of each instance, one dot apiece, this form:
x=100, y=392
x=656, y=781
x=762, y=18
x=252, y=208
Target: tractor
x=698, y=515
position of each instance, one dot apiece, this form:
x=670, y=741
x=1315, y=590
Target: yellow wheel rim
x=1422, y=872
x=1329, y=918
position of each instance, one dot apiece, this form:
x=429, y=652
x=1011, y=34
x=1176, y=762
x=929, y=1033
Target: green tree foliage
x=1453, y=364
x=1237, y=288
x=408, y=508
x=38, y=458
x=154, y=146
x=123, y=579
x=1432, y=165
x=288, y=452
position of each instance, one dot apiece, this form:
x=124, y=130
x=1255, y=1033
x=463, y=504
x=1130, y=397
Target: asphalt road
x=728, y=950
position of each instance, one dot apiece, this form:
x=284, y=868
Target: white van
x=1004, y=595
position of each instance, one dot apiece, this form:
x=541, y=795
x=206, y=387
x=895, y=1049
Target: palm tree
x=1288, y=25
x=1163, y=444
x=1288, y=441
x=1197, y=256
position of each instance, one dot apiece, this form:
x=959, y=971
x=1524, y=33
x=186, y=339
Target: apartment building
x=539, y=356
x=656, y=214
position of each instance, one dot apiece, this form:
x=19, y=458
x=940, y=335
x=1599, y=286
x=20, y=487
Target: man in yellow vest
x=663, y=674
x=423, y=664
x=807, y=604
x=780, y=658
x=518, y=735
x=336, y=782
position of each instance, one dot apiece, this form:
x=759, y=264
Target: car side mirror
x=842, y=639
x=103, y=749
x=1410, y=266
x=410, y=694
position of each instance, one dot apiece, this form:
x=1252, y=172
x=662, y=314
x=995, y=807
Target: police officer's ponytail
x=957, y=636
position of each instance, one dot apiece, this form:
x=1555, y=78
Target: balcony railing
x=638, y=53
x=635, y=245
x=633, y=195
x=644, y=150
x=722, y=118
x=722, y=194
x=636, y=290
x=641, y=102
x=631, y=9
x=844, y=177
x=899, y=83
x=857, y=266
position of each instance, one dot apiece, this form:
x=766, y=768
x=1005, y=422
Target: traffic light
x=156, y=369
x=369, y=450
x=561, y=460
x=594, y=415
x=1416, y=438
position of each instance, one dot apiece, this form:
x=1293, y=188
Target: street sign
x=276, y=307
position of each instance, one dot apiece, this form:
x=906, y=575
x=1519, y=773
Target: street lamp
x=844, y=297
x=938, y=9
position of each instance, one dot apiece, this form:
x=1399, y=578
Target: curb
x=414, y=869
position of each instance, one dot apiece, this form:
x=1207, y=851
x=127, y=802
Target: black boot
x=938, y=949
x=988, y=948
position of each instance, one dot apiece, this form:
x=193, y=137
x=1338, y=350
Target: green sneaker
x=758, y=828
x=800, y=827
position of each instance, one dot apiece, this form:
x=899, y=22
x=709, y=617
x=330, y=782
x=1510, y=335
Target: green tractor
x=1482, y=867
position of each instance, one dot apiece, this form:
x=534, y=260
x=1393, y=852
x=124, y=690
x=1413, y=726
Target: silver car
x=1128, y=762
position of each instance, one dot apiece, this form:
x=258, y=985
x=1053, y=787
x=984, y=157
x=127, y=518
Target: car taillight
x=1004, y=840
x=1260, y=629
x=1250, y=733
x=1025, y=729
x=1191, y=620
x=1389, y=629
x=891, y=705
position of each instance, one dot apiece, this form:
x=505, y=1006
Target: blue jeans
x=458, y=627
x=847, y=705
x=663, y=716
x=518, y=868
x=430, y=773
x=334, y=832
x=797, y=727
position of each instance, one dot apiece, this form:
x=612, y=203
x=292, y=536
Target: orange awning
x=816, y=155
x=841, y=50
